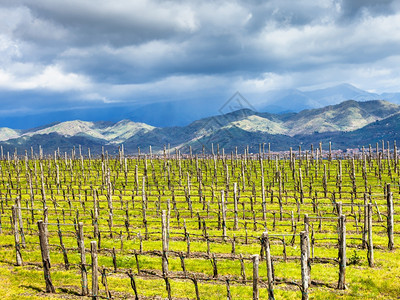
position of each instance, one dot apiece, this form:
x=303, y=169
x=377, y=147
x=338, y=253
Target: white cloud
x=50, y=78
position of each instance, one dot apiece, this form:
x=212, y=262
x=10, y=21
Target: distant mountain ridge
x=169, y=112
x=349, y=122
x=299, y=100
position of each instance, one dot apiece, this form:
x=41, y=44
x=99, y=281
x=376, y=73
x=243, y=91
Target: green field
x=132, y=192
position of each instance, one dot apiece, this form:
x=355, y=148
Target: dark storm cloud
x=150, y=50
x=117, y=23
x=355, y=8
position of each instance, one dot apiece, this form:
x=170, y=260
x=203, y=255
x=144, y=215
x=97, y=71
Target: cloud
x=152, y=50
x=51, y=78
x=358, y=8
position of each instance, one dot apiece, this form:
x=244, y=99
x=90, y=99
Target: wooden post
x=164, y=243
x=16, y=236
x=268, y=260
x=137, y=262
x=95, y=279
x=223, y=215
x=214, y=265
x=104, y=282
x=264, y=209
x=370, y=243
x=21, y=225
x=235, y=224
x=365, y=227
x=114, y=259
x=256, y=260
x=82, y=251
x=168, y=287
x=187, y=243
x=44, y=248
x=307, y=230
x=182, y=258
x=95, y=216
x=242, y=268
x=301, y=186
x=304, y=265
x=66, y=262
x=390, y=212
x=342, y=253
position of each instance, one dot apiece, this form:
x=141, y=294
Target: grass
x=73, y=197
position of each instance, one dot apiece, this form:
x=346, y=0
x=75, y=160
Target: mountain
x=295, y=100
x=168, y=112
x=340, y=93
x=348, y=124
x=387, y=129
x=346, y=116
x=110, y=132
x=281, y=101
x=8, y=133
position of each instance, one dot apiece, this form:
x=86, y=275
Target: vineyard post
x=182, y=258
x=104, y=282
x=136, y=180
x=235, y=224
x=16, y=236
x=304, y=267
x=378, y=211
x=21, y=225
x=95, y=280
x=223, y=215
x=168, y=221
x=187, y=235
x=301, y=186
x=214, y=265
x=307, y=230
x=370, y=243
x=342, y=252
x=168, y=287
x=137, y=262
x=114, y=259
x=42, y=181
x=390, y=217
x=268, y=260
x=66, y=262
x=95, y=215
x=242, y=268
x=144, y=207
x=365, y=227
x=164, y=243
x=45, y=222
x=263, y=190
x=233, y=245
x=44, y=248
x=81, y=247
x=280, y=196
x=256, y=260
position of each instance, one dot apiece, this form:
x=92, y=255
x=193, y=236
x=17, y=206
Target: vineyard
x=297, y=224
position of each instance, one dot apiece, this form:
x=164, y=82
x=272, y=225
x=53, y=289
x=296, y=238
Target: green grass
x=27, y=282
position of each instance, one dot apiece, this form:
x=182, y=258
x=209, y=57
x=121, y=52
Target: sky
x=81, y=54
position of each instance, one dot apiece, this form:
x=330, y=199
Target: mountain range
x=350, y=124
x=168, y=113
